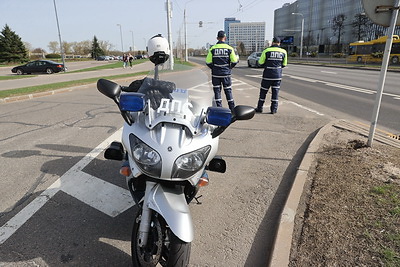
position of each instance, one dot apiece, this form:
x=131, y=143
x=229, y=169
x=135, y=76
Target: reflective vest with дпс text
x=273, y=59
x=221, y=59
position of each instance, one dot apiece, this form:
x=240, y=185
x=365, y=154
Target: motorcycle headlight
x=147, y=159
x=188, y=164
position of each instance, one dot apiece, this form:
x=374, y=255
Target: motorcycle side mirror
x=242, y=112
x=109, y=89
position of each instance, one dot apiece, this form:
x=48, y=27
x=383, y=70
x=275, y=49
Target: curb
x=283, y=241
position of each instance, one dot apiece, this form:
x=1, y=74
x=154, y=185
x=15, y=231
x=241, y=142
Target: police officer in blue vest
x=221, y=59
x=273, y=59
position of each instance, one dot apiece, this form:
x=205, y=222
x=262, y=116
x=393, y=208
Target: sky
x=35, y=20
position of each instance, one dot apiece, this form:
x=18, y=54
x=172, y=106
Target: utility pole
x=59, y=36
x=169, y=16
x=184, y=18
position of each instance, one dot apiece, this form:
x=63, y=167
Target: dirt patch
x=351, y=205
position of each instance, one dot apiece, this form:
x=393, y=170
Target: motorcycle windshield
x=186, y=89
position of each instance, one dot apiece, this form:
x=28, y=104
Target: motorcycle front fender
x=171, y=204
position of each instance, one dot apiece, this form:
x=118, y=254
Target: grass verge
x=114, y=65
x=55, y=86
x=15, y=77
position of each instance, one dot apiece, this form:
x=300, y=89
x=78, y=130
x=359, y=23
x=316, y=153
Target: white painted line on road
x=10, y=227
x=302, y=78
x=99, y=194
x=329, y=72
x=254, y=76
x=306, y=108
x=351, y=88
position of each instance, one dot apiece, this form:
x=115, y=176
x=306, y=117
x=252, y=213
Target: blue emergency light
x=219, y=116
x=132, y=102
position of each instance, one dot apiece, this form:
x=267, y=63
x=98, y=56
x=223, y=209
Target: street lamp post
x=169, y=16
x=59, y=36
x=120, y=31
x=133, y=44
x=185, y=24
x=302, y=30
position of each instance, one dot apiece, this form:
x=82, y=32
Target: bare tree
x=241, y=48
x=338, y=28
x=360, y=25
x=54, y=47
x=106, y=46
x=81, y=48
x=67, y=47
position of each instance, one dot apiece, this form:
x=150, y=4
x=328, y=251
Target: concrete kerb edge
x=283, y=242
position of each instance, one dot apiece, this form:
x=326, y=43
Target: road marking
x=351, y=88
x=304, y=107
x=99, y=194
x=342, y=86
x=254, y=76
x=329, y=72
x=89, y=196
x=302, y=78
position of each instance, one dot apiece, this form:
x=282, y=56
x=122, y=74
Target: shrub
x=293, y=54
x=53, y=56
x=338, y=55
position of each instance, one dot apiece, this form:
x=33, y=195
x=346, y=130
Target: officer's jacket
x=221, y=59
x=273, y=59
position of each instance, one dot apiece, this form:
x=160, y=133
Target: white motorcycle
x=169, y=140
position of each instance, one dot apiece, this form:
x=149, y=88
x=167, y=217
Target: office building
x=318, y=33
x=227, y=22
x=251, y=34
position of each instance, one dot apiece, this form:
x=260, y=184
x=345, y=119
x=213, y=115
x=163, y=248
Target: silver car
x=252, y=60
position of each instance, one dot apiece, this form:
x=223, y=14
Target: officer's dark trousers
x=265, y=85
x=226, y=83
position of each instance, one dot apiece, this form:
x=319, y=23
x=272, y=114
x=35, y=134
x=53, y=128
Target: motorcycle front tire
x=163, y=246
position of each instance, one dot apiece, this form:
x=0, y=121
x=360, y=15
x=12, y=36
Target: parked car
x=252, y=60
x=102, y=58
x=38, y=66
x=139, y=56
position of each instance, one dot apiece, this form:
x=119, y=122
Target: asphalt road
x=341, y=93
x=63, y=203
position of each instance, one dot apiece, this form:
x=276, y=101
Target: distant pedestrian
x=125, y=60
x=221, y=59
x=273, y=59
x=130, y=58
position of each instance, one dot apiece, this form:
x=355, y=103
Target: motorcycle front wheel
x=163, y=246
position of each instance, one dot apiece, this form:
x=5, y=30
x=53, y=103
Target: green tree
x=12, y=49
x=96, y=49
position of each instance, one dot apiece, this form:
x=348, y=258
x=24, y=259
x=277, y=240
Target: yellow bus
x=372, y=51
